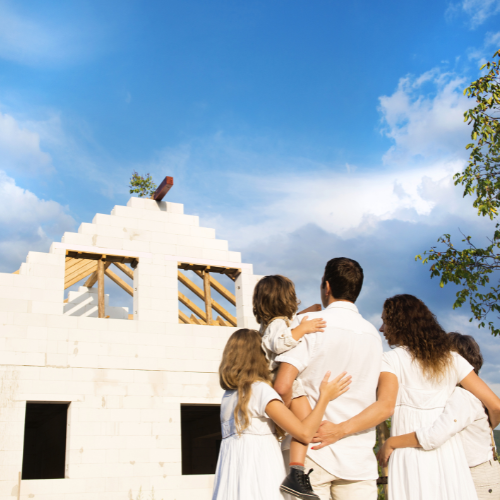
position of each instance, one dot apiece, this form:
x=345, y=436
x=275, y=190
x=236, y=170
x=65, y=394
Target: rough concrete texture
x=124, y=379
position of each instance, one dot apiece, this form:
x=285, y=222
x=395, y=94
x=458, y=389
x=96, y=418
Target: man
x=344, y=465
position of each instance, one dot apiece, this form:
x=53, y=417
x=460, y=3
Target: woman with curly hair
x=426, y=371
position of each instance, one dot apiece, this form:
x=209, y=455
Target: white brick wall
x=125, y=379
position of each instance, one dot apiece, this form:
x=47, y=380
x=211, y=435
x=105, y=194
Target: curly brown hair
x=409, y=323
x=243, y=363
x=468, y=348
x=274, y=296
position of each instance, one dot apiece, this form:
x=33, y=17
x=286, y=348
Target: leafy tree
x=474, y=268
x=144, y=186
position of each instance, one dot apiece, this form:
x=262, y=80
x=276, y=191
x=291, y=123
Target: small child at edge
x=275, y=305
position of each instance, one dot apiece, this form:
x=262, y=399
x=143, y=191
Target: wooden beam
x=119, y=281
x=221, y=321
x=190, y=285
x=130, y=316
x=232, y=272
x=226, y=315
x=93, y=277
x=192, y=306
x=163, y=189
x=16, y=272
x=77, y=268
x=183, y=318
x=77, y=277
x=199, y=292
x=100, y=289
x=71, y=262
x=383, y=434
x=124, y=269
x=208, y=299
x=96, y=256
x=196, y=321
x=218, y=287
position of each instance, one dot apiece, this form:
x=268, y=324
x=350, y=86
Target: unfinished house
x=118, y=401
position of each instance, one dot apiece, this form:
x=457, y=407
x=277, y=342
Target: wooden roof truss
x=206, y=316
x=94, y=267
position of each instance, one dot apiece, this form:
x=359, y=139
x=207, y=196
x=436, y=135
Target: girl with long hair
x=426, y=370
x=463, y=414
x=250, y=465
x=275, y=305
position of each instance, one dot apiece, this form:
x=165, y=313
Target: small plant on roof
x=143, y=186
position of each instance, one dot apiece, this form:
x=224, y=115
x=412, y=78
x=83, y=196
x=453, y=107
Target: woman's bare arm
x=404, y=441
x=376, y=413
x=304, y=430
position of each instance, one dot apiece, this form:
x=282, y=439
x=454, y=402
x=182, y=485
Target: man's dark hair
x=345, y=277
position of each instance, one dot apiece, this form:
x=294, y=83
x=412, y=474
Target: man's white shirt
x=352, y=344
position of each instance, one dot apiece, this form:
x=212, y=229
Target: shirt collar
x=343, y=305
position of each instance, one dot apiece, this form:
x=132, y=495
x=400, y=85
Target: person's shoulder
x=261, y=388
x=276, y=325
x=395, y=353
x=370, y=329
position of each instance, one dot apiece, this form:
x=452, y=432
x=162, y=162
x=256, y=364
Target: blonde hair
x=243, y=363
x=274, y=296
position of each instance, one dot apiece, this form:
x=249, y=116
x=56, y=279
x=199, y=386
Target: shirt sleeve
x=265, y=395
x=463, y=367
x=278, y=337
x=388, y=363
x=300, y=355
x=457, y=415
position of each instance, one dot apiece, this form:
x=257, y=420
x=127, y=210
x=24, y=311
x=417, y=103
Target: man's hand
x=328, y=434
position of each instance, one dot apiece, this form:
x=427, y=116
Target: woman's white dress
x=250, y=466
x=416, y=474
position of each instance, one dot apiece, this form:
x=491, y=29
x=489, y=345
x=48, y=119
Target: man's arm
x=376, y=413
x=287, y=373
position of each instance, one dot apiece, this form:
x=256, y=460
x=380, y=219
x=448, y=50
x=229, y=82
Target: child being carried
x=275, y=305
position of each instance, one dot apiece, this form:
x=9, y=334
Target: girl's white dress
x=416, y=474
x=250, y=466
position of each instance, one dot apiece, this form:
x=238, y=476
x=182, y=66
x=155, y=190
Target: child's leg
x=295, y=483
x=300, y=408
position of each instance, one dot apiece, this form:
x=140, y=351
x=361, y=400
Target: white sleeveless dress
x=250, y=466
x=416, y=474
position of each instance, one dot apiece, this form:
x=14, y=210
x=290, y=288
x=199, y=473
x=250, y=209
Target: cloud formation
x=478, y=11
x=20, y=149
x=424, y=117
x=27, y=223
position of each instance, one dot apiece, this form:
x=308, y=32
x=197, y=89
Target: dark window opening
x=44, y=453
x=201, y=438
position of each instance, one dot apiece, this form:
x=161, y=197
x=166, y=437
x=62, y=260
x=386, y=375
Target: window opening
x=201, y=438
x=44, y=451
x=203, y=301
x=84, y=270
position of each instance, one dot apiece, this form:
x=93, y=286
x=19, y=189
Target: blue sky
x=299, y=130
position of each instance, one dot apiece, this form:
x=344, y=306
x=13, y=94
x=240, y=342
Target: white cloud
x=20, y=148
x=426, y=125
x=478, y=11
x=492, y=39
x=27, y=223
